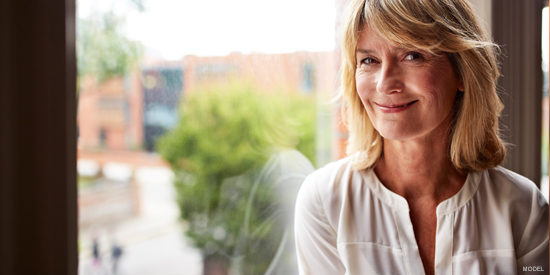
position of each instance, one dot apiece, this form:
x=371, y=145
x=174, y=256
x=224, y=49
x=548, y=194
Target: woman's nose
x=389, y=80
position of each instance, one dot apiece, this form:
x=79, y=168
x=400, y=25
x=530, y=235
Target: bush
x=224, y=137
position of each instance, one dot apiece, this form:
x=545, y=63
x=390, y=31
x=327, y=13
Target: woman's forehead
x=369, y=36
x=370, y=40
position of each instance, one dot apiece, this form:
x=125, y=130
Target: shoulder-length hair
x=449, y=26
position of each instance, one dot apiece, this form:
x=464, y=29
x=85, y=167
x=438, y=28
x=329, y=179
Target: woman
x=421, y=192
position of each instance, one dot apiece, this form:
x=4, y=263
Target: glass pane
x=198, y=121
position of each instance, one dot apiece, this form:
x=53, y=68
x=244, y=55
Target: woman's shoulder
x=514, y=197
x=509, y=177
x=330, y=177
x=513, y=185
x=327, y=187
x=324, y=191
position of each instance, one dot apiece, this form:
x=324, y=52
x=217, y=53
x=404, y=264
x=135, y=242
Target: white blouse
x=348, y=222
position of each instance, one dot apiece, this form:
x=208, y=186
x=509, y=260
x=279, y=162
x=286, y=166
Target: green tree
x=224, y=138
x=102, y=48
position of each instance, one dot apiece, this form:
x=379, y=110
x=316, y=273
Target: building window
x=308, y=78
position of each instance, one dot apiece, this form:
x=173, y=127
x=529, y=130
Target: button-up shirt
x=348, y=222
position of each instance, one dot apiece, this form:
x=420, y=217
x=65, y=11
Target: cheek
x=445, y=84
x=436, y=88
x=364, y=91
x=363, y=88
x=444, y=95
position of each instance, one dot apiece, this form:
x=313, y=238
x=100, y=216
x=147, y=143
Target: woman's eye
x=413, y=56
x=369, y=60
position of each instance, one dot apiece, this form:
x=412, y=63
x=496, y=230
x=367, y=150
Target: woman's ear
x=461, y=86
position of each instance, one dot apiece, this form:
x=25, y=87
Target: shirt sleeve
x=533, y=248
x=315, y=238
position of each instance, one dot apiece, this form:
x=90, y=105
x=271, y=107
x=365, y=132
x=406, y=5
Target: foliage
x=224, y=137
x=102, y=48
x=85, y=182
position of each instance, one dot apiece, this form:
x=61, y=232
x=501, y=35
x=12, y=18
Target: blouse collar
x=399, y=203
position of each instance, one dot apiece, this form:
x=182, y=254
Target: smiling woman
x=430, y=50
x=422, y=191
x=406, y=94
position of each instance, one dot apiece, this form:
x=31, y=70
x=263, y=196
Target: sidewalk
x=153, y=242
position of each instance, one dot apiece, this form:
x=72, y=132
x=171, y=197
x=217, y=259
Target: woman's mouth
x=394, y=108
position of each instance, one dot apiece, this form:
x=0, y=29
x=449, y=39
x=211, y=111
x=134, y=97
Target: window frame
x=38, y=190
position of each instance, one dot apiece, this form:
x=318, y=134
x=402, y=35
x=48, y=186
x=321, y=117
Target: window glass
x=198, y=121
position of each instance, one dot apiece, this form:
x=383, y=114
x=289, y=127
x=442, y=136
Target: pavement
x=152, y=243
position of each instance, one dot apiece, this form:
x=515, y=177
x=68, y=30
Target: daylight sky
x=174, y=28
x=171, y=29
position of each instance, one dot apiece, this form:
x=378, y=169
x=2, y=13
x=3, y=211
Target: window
x=37, y=208
x=183, y=133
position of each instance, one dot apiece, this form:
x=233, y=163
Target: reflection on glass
x=195, y=136
x=237, y=177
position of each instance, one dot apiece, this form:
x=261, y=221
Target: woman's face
x=408, y=94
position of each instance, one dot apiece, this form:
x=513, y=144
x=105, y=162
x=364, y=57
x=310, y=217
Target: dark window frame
x=38, y=190
x=519, y=33
x=38, y=195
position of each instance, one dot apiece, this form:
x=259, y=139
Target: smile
x=394, y=108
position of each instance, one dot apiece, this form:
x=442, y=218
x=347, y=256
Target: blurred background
x=197, y=122
x=191, y=115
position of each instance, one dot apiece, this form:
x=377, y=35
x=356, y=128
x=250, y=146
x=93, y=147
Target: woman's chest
x=376, y=239
x=424, y=222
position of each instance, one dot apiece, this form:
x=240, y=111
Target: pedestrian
x=116, y=252
x=95, y=250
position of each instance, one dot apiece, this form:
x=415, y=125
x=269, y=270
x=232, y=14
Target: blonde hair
x=449, y=26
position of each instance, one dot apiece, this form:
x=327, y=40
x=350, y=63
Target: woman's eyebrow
x=364, y=51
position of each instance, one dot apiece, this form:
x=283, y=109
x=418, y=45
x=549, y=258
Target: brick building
x=129, y=113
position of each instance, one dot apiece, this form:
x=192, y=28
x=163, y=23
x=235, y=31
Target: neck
x=419, y=169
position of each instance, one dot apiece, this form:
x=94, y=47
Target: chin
x=397, y=132
x=395, y=136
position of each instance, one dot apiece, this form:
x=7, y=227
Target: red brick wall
x=100, y=104
x=270, y=72
x=102, y=107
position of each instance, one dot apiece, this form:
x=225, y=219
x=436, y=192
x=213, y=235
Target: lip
x=395, y=108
